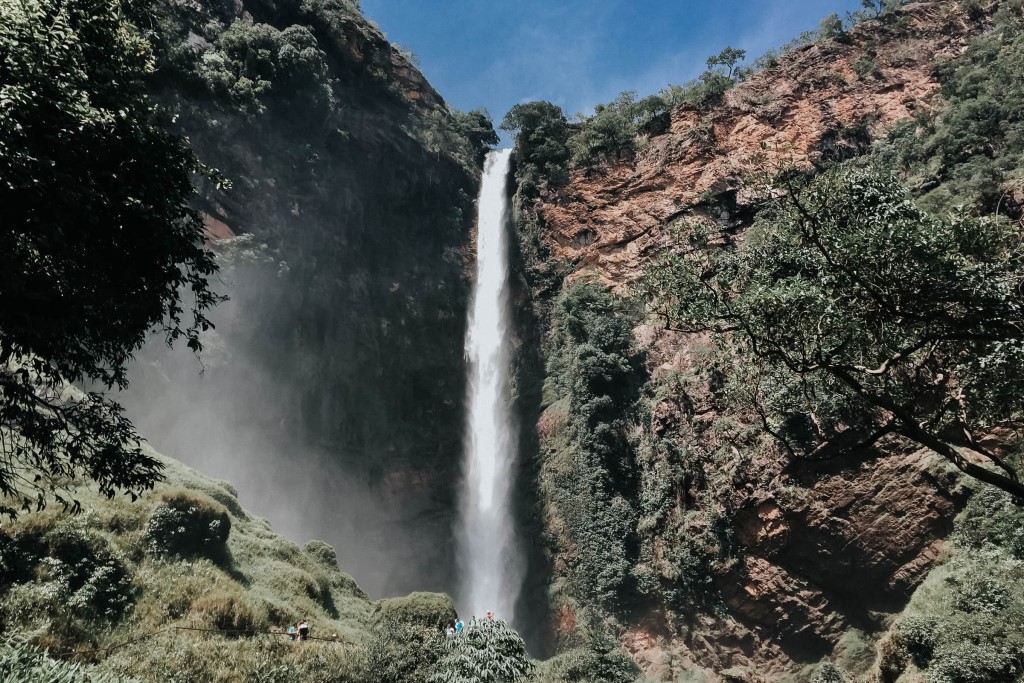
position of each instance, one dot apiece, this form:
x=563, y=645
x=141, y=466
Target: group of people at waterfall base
x=458, y=626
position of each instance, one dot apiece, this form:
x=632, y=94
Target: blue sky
x=577, y=53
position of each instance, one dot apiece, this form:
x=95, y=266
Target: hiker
x=293, y=630
x=472, y=622
x=303, y=629
x=459, y=625
x=490, y=615
x=449, y=632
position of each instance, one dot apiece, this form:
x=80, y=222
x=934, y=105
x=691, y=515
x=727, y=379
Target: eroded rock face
x=611, y=218
x=826, y=547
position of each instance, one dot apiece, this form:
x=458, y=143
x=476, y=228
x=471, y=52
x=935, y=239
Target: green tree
x=489, y=651
x=97, y=244
x=727, y=59
x=541, y=131
x=859, y=317
x=831, y=27
x=478, y=130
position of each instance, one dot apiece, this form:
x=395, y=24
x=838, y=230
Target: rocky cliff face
x=609, y=219
x=812, y=558
x=331, y=390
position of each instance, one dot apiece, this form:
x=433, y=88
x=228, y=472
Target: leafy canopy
x=97, y=243
x=857, y=317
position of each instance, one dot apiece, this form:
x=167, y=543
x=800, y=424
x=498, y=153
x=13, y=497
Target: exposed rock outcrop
x=610, y=218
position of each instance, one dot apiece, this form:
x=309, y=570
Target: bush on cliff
x=541, y=131
x=963, y=623
x=970, y=152
x=189, y=526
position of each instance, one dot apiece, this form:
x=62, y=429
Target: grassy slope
x=262, y=582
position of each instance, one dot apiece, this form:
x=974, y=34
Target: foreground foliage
x=98, y=243
x=73, y=584
x=19, y=664
x=856, y=316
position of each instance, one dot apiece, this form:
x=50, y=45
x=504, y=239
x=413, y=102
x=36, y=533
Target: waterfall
x=491, y=572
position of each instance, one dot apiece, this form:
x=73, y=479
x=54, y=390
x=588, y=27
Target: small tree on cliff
x=726, y=59
x=855, y=317
x=97, y=242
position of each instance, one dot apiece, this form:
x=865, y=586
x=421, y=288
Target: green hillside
x=155, y=568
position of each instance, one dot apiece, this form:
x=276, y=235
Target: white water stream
x=491, y=572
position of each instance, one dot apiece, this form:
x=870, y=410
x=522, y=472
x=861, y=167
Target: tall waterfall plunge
x=490, y=567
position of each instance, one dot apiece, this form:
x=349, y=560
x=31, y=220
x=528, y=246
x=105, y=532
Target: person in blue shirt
x=459, y=626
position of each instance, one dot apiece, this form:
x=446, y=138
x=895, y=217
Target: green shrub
x=601, y=661
x=489, y=651
x=187, y=525
x=429, y=610
x=917, y=636
x=991, y=518
x=828, y=673
x=322, y=552
x=407, y=637
x=866, y=68
x=68, y=571
x=228, y=612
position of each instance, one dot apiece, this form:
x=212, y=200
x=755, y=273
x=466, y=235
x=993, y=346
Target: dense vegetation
x=970, y=153
x=98, y=246
x=118, y=571
x=963, y=623
x=208, y=607
x=590, y=477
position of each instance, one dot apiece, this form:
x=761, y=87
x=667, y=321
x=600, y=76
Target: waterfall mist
x=230, y=414
x=490, y=569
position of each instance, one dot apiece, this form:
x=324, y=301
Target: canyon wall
x=806, y=560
